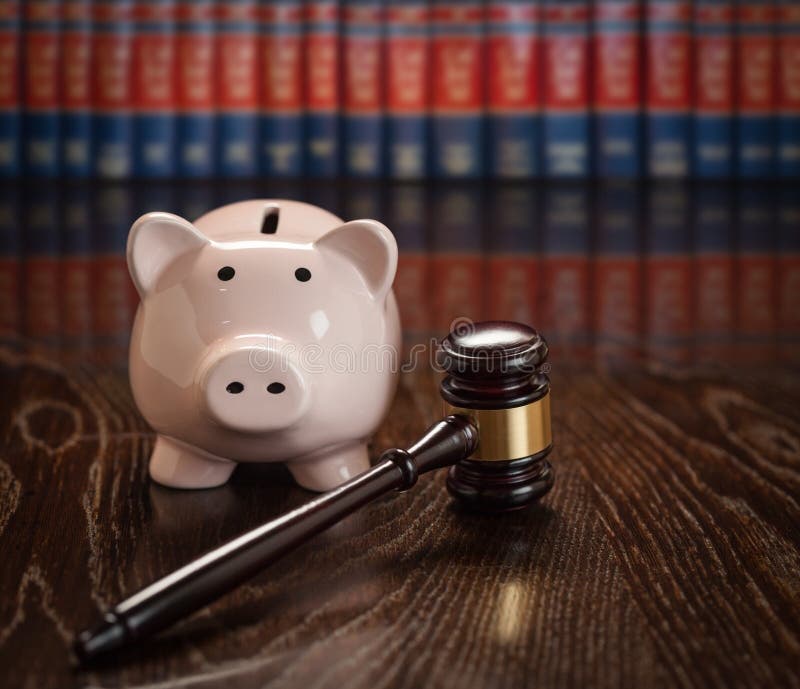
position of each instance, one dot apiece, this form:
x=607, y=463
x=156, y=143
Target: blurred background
x=621, y=173
x=400, y=89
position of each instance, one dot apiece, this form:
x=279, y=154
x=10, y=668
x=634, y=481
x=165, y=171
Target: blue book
x=10, y=264
x=112, y=119
x=457, y=136
x=10, y=88
x=756, y=134
x=322, y=124
x=513, y=95
x=712, y=122
x=237, y=88
x=154, y=88
x=617, y=99
x=668, y=79
x=407, y=88
x=41, y=86
x=76, y=100
x=281, y=143
x=362, y=88
x=565, y=119
x=196, y=90
x=788, y=36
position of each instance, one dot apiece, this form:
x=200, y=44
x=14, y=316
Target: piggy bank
x=267, y=332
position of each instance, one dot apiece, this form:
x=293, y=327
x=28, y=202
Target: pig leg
x=329, y=468
x=178, y=465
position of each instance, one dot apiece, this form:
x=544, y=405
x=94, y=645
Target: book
x=788, y=36
x=76, y=94
x=512, y=248
x=668, y=283
x=10, y=91
x=565, y=115
x=789, y=273
x=618, y=279
x=112, y=88
x=512, y=60
x=713, y=111
x=406, y=219
x=40, y=244
x=10, y=264
x=565, y=298
x=407, y=74
x=616, y=104
x=41, y=87
x=154, y=88
x=457, y=267
x=362, y=88
x=196, y=89
x=755, y=88
x=237, y=88
x=281, y=145
x=323, y=136
x=714, y=272
x=756, y=272
x=457, y=102
x=668, y=91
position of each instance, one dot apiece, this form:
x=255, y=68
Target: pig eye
x=303, y=274
x=226, y=273
x=276, y=388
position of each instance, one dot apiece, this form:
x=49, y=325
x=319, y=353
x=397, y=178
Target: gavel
x=495, y=437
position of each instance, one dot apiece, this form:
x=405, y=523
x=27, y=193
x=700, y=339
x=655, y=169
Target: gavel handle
x=200, y=582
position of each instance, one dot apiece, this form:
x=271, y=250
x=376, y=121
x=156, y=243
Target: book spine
x=76, y=273
x=566, y=240
x=237, y=87
x=668, y=80
x=11, y=273
x=668, y=265
x=789, y=273
x=196, y=88
x=755, y=95
x=512, y=47
x=617, y=97
x=565, y=119
x=112, y=88
x=154, y=88
x=362, y=62
x=712, y=123
x=41, y=291
x=457, y=125
x=714, y=274
x=757, y=272
x=513, y=282
x=789, y=88
x=406, y=216
x=41, y=60
x=457, y=264
x=76, y=96
x=407, y=88
x=281, y=118
x=617, y=293
x=10, y=88
x=322, y=123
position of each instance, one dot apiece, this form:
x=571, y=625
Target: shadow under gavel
x=495, y=438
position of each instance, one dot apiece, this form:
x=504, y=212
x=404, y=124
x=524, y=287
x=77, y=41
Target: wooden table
x=666, y=555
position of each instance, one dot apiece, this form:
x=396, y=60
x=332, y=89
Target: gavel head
x=495, y=377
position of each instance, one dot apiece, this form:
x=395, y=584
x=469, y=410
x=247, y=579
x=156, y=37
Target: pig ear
x=155, y=241
x=370, y=246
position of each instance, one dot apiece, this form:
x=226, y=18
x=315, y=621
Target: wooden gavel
x=495, y=437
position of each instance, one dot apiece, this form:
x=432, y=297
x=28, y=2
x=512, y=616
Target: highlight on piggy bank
x=245, y=284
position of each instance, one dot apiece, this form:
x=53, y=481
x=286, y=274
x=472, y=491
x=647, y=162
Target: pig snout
x=253, y=387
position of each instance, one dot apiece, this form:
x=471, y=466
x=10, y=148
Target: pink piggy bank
x=267, y=331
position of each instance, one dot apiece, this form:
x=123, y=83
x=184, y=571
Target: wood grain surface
x=666, y=555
